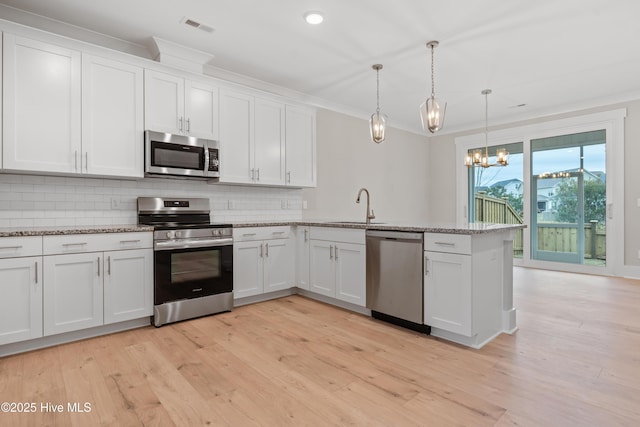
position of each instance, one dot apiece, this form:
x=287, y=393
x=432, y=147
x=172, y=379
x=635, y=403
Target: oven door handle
x=191, y=243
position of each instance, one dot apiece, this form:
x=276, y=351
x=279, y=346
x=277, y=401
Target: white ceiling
x=551, y=55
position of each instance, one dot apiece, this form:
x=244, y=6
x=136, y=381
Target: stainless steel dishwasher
x=394, y=278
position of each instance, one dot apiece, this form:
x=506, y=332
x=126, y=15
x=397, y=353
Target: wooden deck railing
x=552, y=236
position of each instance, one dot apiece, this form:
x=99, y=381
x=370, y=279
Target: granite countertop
x=477, y=228
x=375, y=225
x=90, y=229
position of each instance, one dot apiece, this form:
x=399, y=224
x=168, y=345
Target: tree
x=499, y=192
x=595, y=200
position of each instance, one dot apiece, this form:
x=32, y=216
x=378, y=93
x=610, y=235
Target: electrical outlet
x=231, y=204
x=115, y=203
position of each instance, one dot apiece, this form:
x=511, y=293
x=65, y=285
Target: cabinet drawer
x=449, y=243
x=346, y=235
x=13, y=247
x=245, y=234
x=80, y=243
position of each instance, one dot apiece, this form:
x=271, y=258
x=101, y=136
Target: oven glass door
x=192, y=273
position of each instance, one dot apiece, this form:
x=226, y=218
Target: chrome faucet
x=371, y=215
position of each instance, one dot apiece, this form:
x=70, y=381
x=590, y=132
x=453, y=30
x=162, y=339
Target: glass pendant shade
x=378, y=121
x=377, y=126
x=432, y=115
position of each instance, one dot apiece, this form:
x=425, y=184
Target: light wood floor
x=575, y=361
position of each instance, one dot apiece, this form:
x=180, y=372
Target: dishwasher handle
x=395, y=235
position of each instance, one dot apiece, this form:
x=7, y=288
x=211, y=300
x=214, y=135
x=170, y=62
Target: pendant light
x=479, y=159
x=431, y=113
x=378, y=121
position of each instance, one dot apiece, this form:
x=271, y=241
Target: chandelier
x=480, y=157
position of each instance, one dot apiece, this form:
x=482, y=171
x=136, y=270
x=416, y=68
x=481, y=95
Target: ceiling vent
x=195, y=24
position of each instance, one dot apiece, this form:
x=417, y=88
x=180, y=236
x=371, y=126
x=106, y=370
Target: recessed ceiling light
x=313, y=18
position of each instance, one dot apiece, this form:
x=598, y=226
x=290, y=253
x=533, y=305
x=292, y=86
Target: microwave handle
x=206, y=159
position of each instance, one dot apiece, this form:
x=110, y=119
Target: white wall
x=442, y=173
x=395, y=172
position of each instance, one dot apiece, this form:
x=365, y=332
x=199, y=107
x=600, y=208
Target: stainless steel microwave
x=178, y=155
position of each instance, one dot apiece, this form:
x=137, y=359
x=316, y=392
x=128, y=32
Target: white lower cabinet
x=73, y=292
x=303, y=247
x=263, y=260
x=447, y=292
x=21, y=301
x=128, y=285
x=88, y=283
x=337, y=264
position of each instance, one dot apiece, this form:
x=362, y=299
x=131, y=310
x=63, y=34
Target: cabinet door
x=73, y=292
x=447, y=292
x=279, y=262
x=269, y=142
x=302, y=257
x=300, y=147
x=351, y=273
x=41, y=106
x=201, y=110
x=248, y=272
x=163, y=102
x=112, y=118
x=128, y=285
x=21, y=302
x=322, y=268
x=236, y=137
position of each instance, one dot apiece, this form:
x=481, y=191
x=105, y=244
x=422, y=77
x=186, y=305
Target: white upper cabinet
x=176, y=105
x=300, y=147
x=41, y=106
x=236, y=137
x=65, y=112
x=112, y=118
x=269, y=148
x=266, y=142
x=201, y=110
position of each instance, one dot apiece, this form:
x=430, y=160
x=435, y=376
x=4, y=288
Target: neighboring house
x=511, y=186
x=547, y=188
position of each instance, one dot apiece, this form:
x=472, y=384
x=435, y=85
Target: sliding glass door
x=568, y=198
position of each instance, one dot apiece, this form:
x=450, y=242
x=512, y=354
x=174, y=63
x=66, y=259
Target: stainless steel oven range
x=193, y=258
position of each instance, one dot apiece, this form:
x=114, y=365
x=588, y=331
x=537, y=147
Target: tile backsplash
x=34, y=200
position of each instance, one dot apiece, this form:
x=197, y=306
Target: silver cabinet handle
x=109, y=265
x=98, y=266
x=306, y=235
x=289, y=177
x=248, y=234
x=76, y=156
x=36, y=271
x=10, y=247
x=267, y=247
x=74, y=244
x=336, y=251
x=86, y=161
x=253, y=171
x=261, y=253
x=426, y=265
x=188, y=125
x=124, y=242
x=277, y=232
x=331, y=252
x=258, y=174
x=180, y=124
x=445, y=243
